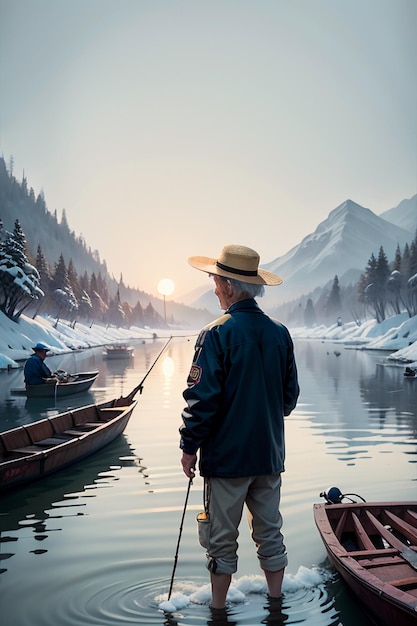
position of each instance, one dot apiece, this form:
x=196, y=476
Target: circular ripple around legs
x=94, y=601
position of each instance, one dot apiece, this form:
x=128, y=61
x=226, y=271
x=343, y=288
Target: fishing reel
x=333, y=495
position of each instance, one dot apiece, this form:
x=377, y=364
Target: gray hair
x=241, y=288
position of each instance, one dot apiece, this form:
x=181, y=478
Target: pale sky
x=168, y=128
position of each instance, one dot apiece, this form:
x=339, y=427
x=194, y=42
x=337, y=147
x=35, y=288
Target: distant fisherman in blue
x=36, y=371
x=242, y=382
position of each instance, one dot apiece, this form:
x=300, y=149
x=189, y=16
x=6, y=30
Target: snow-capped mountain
x=404, y=215
x=341, y=245
x=343, y=242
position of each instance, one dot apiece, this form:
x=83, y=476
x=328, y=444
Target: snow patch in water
x=240, y=588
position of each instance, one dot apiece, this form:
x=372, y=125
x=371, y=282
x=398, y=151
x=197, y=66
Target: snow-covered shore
x=18, y=339
x=397, y=336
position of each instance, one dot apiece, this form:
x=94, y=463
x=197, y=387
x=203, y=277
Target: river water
x=95, y=544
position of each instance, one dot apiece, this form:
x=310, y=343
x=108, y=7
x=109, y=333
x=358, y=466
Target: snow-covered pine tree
x=19, y=279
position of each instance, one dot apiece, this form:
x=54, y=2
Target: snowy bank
x=396, y=335
x=18, y=338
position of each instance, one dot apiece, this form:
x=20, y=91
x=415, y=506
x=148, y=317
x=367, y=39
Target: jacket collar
x=249, y=304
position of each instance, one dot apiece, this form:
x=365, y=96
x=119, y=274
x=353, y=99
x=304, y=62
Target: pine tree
x=413, y=256
x=73, y=279
x=62, y=292
x=19, y=280
x=309, y=314
x=43, y=269
x=137, y=315
x=406, y=262
x=373, y=285
x=60, y=276
x=396, y=265
x=334, y=303
x=412, y=280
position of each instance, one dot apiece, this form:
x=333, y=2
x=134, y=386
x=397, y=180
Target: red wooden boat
x=35, y=450
x=373, y=546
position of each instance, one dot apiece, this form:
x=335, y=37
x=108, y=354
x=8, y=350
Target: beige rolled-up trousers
x=218, y=527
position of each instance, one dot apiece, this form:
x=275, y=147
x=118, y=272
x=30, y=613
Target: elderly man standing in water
x=242, y=382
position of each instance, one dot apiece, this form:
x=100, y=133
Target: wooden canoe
x=76, y=383
x=35, y=450
x=373, y=546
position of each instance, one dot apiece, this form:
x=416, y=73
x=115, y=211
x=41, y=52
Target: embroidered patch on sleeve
x=195, y=374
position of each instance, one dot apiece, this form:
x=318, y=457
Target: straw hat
x=238, y=262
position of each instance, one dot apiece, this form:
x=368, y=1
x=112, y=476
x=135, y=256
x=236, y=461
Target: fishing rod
x=139, y=387
x=190, y=482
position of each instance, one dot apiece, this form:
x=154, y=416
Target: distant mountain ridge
x=403, y=215
x=341, y=245
x=342, y=242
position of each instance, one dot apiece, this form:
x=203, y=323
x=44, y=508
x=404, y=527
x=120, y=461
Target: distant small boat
x=73, y=383
x=119, y=351
x=410, y=372
x=373, y=546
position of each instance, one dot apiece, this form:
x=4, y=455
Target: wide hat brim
x=236, y=262
x=41, y=346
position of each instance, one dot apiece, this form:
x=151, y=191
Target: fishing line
x=139, y=387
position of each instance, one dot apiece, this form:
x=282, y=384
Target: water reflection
x=62, y=495
x=101, y=535
x=362, y=404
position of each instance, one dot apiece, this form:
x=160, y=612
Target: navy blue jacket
x=36, y=370
x=242, y=382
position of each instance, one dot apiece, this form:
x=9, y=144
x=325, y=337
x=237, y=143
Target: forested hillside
x=67, y=265
x=41, y=227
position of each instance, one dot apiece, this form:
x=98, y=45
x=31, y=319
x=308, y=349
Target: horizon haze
x=169, y=129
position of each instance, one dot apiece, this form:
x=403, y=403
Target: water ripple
x=94, y=601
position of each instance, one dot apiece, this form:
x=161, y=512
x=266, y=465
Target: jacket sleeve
x=291, y=386
x=203, y=394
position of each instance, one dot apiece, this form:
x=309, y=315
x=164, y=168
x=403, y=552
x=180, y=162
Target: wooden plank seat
x=385, y=533
x=72, y=432
x=62, y=422
x=377, y=561
x=410, y=581
x=49, y=442
x=341, y=524
x=13, y=439
x=373, y=553
x=362, y=536
x=87, y=414
x=82, y=429
x=9, y=453
x=108, y=413
x=28, y=450
x=39, y=430
x=411, y=516
x=406, y=529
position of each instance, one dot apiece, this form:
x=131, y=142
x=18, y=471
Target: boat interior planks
x=373, y=546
